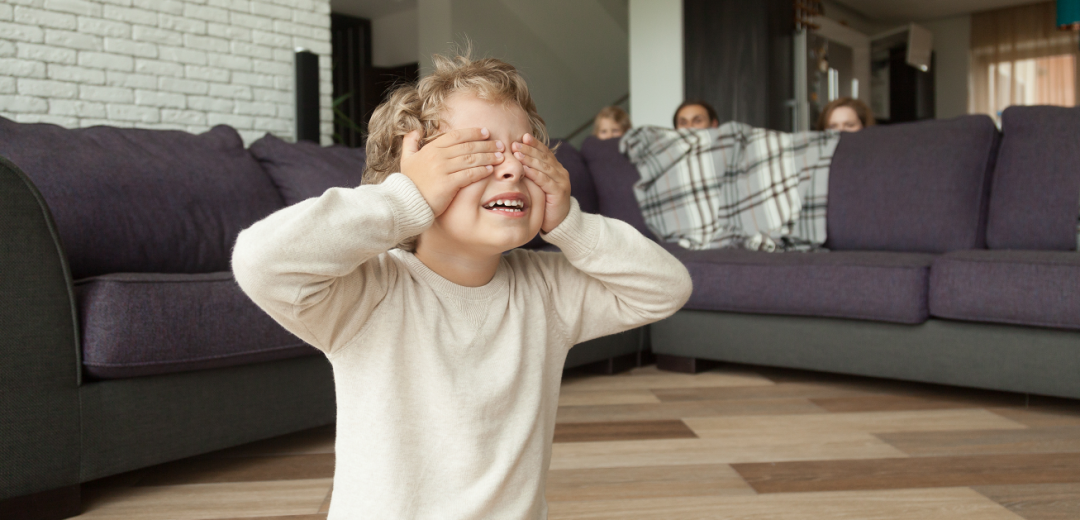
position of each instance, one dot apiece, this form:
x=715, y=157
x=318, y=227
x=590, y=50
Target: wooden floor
x=735, y=443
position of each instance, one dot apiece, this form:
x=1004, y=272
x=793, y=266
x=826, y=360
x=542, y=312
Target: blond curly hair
x=422, y=105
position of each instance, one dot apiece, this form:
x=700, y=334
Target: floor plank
x=1036, y=440
x=776, y=391
x=897, y=473
x=649, y=377
x=1040, y=417
x=917, y=504
x=645, y=482
x=571, y=397
x=622, y=431
x=1038, y=501
x=773, y=446
x=865, y=422
x=884, y=403
x=680, y=410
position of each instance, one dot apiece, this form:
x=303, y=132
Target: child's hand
x=547, y=172
x=456, y=159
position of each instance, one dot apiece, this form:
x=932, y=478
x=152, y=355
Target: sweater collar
x=498, y=283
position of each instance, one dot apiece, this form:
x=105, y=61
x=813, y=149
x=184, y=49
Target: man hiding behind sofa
x=695, y=114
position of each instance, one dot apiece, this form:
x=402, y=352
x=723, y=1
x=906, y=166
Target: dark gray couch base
x=138, y=422
x=980, y=355
x=607, y=347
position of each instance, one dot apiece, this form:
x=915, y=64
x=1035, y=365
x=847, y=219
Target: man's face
x=694, y=116
x=470, y=224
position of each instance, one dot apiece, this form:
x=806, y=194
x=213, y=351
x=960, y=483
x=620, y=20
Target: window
x=1018, y=57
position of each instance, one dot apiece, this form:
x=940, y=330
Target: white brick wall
x=170, y=64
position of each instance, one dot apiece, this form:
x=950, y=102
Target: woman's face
x=607, y=128
x=844, y=119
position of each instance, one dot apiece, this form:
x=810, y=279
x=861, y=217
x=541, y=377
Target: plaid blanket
x=733, y=186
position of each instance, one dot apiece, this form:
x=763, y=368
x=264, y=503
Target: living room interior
x=919, y=361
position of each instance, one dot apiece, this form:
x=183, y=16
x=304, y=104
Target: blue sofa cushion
x=303, y=170
x=915, y=187
x=1036, y=194
x=150, y=201
x=614, y=177
x=142, y=324
x=1037, y=288
x=864, y=285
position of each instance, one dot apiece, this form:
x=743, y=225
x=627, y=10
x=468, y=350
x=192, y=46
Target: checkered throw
x=733, y=186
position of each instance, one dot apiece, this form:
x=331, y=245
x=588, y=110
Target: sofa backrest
x=1035, y=199
x=304, y=169
x=131, y=200
x=581, y=182
x=919, y=187
x=614, y=177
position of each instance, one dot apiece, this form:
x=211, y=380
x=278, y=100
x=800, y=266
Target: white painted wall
x=395, y=39
x=573, y=53
x=168, y=64
x=952, y=43
x=436, y=31
x=656, y=61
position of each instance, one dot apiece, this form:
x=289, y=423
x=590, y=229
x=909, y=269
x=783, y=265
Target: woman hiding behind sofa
x=846, y=115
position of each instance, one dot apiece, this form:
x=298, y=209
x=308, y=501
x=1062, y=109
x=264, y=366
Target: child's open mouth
x=507, y=204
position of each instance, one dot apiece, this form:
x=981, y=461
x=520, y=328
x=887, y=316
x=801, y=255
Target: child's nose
x=511, y=168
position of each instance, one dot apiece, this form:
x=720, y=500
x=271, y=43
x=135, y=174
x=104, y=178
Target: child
x=448, y=354
x=611, y=122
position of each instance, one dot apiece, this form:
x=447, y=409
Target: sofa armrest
x=39, y=349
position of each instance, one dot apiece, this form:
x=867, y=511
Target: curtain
x=1020, y=57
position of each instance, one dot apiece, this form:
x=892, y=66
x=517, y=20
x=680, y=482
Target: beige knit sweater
x=446, y=394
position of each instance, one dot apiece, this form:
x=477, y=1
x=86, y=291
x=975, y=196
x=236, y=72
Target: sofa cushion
x=131, y=200
x=1035, y=200
x=865, y=285
x=1020, y=287
x=303, y=170
x=918, y=187
x=614, y=177
x=142, y=324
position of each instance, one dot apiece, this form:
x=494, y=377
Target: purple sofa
x=952, y=259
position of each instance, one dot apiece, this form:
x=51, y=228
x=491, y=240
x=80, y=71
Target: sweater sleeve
x=610, y=278
x=315, y=266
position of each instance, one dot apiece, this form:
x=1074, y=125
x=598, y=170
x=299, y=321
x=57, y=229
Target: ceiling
x=902, y=11
x=371, y=9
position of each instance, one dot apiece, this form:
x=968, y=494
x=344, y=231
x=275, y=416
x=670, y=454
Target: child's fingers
x=461, y=135
x=525, y=151
x=542, y=179
x=472, y=147
x=410, y=144
x=468, y=176
x=533, y=142
x=463, y=162
x=533, y=162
